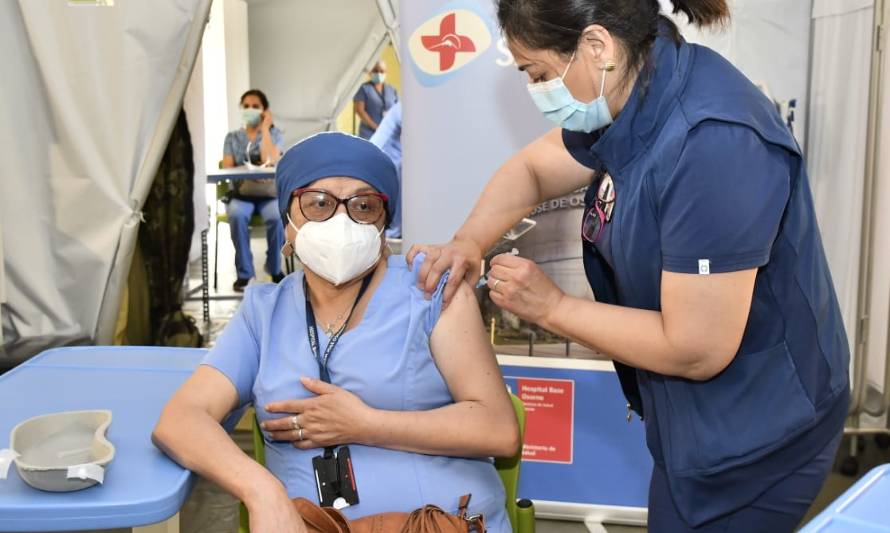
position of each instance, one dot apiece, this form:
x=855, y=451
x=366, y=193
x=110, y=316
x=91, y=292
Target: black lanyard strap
x=312, y=330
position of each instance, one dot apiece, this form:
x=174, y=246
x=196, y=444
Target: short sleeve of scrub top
x=277, y=138
x=721, y=207
x=361, y=95
x=237, y=353
x=230, y=144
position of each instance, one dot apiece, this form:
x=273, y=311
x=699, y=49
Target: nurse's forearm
x=199, y=443
x=462, y=429
x=510, y=195
x=635, y=337
x=541, y=171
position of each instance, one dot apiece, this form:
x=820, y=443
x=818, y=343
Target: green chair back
x=508, y=467
x=522, y=519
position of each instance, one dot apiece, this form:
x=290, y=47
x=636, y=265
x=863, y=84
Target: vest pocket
x=752, y=408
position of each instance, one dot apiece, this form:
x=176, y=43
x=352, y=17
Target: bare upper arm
x=228, y=161
x=210, y=390
x=553, y=167
x=463, y=354
x=706, y=316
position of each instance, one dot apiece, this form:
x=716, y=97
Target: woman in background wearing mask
x=700, y=244
x=373, y=100
x=258, y=143
x=412, y=389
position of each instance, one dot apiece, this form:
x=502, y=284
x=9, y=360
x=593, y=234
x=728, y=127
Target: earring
x=609, y=66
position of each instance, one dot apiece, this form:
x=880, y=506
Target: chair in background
x=222, y=191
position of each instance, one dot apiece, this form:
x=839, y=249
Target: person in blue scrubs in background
x=373, y=100
x=388, y=138
x=258, y=143
x=700, y=244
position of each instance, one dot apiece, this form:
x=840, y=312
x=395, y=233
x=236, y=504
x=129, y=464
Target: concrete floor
x=209, y=510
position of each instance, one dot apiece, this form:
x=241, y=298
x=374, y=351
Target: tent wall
x=308, y=57
x=193, y=104
x=768, y=40
x=878, y=339
x=97, y=90
x=837, y=138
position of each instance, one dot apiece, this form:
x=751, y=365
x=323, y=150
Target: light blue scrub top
x=386, y=361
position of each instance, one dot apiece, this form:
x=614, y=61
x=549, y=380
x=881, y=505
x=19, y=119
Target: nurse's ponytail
x=557, y=25
x=703, y=12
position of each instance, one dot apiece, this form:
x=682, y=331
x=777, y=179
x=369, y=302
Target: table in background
x=863, y=508
x=142, y=485
x=241, y=173
x=215, y=177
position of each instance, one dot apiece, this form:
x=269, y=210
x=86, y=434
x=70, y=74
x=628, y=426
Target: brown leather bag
x=427, y=519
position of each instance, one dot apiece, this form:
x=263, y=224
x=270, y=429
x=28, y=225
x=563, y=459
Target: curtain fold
x=91, y=95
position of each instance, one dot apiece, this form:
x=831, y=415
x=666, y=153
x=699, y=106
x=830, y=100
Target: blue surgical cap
x=333, y=154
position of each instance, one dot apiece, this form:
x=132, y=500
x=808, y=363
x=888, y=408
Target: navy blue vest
x=783, y=398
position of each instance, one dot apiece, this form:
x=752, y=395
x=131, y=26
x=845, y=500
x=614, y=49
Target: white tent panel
x=878, y=350
x=769, y=41
x=837, y=138
x=307, y=76
x=97, y=90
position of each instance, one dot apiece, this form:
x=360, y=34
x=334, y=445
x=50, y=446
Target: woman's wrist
x=262, y=489
x=552, y=319
x=461, y=237
x=366, y=430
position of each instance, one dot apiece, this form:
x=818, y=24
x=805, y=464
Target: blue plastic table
x=863, y=508
x=142, y=486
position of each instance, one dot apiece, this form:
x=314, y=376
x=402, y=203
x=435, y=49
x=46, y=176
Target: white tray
x=63, y=452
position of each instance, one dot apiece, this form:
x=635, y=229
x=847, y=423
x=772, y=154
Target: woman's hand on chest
x=333, y=417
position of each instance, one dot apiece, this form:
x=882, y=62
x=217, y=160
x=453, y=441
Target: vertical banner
x=466, y=111
x=549, y=418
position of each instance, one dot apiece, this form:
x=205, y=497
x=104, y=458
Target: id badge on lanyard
x=334, y=475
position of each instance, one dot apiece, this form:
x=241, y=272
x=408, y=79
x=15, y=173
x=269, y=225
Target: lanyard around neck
x=312, y=330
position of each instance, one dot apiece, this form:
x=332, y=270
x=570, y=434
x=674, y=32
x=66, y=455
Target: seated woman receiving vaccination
x=348, y=360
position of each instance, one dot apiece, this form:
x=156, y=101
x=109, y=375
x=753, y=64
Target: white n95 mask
x=338, y=249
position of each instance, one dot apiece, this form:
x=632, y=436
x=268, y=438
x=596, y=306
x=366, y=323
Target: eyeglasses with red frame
x=318, y=205
x=600, y=213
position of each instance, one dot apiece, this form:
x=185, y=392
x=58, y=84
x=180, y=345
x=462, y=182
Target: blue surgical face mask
x=555, y=100
x=251, y=116
x=378, y=77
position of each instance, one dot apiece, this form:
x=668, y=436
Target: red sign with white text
x=549, y=418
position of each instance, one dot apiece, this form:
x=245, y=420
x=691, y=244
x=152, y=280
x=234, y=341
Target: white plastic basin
x=62, y=452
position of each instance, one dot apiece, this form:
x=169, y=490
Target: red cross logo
x=448, y=43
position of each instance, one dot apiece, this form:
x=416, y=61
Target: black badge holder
x=334, y=475
x=335, y=479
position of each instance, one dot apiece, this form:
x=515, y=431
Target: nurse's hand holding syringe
x=483, y=281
